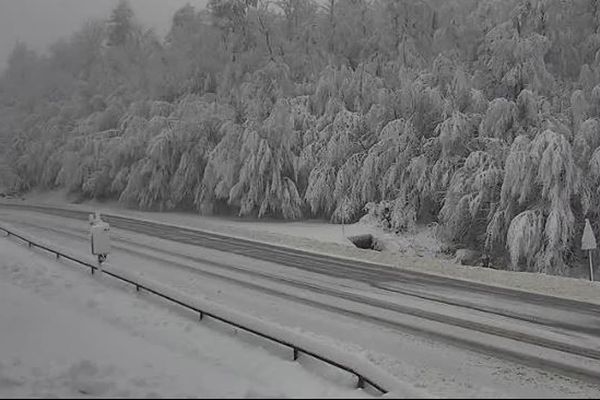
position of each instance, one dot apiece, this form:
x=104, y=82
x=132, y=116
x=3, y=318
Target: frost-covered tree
x=540, y=179
x=480, y=116
x=499, y=120
x=170, y=173
x=265, y=182
x=120, y=24
x=471, y=194
x=339, y=140
x=221, y=171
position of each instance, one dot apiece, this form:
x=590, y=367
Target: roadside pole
x=591, y=267
x=343, y=219
x=344, y=210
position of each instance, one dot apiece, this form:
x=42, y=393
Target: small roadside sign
x=588, y=242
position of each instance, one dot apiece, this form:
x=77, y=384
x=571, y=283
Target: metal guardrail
x=297, y=350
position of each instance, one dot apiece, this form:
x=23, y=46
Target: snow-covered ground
x=439, y=369
x=420, y=243
x=64, y=333
x=419, y=251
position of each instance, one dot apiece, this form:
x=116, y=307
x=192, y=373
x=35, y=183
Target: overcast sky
x=41, y=22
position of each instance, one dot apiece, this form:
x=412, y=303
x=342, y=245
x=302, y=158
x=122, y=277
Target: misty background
x=39, y=23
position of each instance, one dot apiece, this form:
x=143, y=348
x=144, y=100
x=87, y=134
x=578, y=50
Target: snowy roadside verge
x=564, y=287
x=298, y=338
x=62, y=334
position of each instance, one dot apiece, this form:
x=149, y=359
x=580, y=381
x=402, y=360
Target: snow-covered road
x=441, y=369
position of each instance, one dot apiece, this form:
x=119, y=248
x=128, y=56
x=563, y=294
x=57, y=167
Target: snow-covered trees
x=337, y=142
x=540, y=182
x=169, y=174
x=265, y=178
x=469, y=199
x=499, y=120
x=480, y=116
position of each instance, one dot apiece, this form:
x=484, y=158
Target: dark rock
x=467, y=257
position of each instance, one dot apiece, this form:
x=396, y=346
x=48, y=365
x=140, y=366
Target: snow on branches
x=483, y=119
x=265, y=179
x=540, y=180
x=472, y=190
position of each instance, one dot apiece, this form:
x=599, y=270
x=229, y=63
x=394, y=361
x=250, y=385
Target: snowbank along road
x=541, y=331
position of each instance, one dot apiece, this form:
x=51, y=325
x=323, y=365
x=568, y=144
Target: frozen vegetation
x=478, y=116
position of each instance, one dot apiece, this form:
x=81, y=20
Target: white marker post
x=588, y=242
x=100, y=239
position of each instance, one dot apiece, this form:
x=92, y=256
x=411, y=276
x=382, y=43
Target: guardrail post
x=137, y=288
x=200, y=316
x=296, y=354
x=92, y=268
x=57, y=256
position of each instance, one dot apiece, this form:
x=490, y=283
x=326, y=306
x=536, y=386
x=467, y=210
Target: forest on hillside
x=482, y=116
